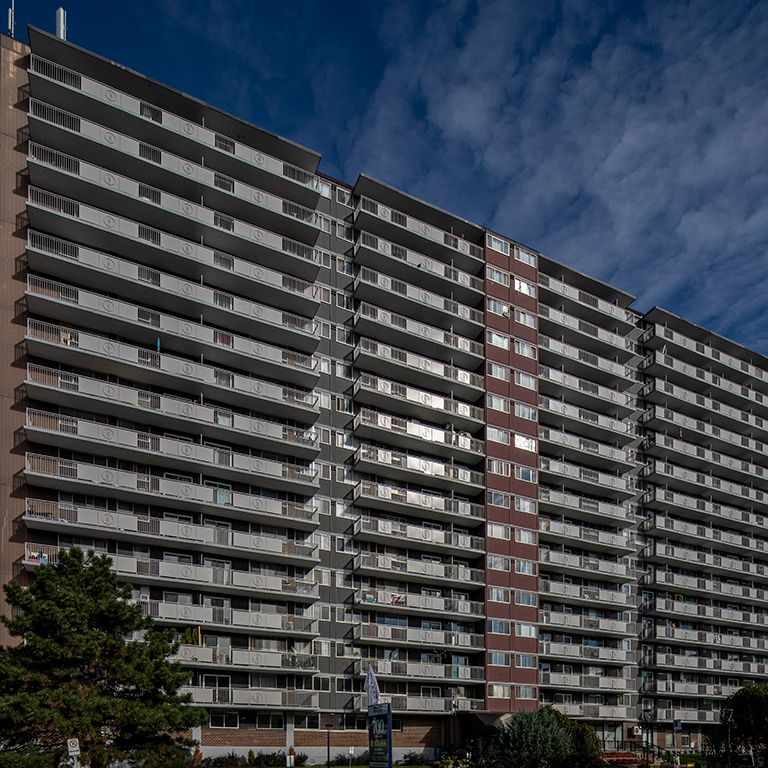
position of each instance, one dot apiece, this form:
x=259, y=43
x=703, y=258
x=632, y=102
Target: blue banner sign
x=380, y=736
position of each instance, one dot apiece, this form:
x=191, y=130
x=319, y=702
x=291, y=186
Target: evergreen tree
x=80, y=674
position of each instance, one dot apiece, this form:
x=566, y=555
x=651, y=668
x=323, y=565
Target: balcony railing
x=419, y=568
x=421, y=501
x=408, y=601
x=243, y=657
x=417, y=533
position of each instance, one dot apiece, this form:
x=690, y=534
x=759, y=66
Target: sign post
x=380, y=736
x=73, y=751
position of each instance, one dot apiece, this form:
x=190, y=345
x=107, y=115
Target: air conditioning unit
x=637, y=730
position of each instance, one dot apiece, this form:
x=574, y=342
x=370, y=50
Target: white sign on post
x=73, y=747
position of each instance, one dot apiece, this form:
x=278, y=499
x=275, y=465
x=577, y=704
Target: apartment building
x=321, y=427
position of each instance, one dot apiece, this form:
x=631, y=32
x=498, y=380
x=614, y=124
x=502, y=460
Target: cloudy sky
x=629, y=139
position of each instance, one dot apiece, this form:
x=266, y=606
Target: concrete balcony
x=411, y=300
x=397, y=636
x=63, y=517
x=72, y=305
x=701, y=354
x=434, y=705
x=400, y=398
x=699, y=637
x=708, y=613
x=701, y=380
x=714, y=587
x=403, y=568
x=596, y=711
x=126, y=155
x=147, y=246
x=100, y=480
x=607, y=684
x=222, y=580
x=62, y=174
x=582, y=363
x=557, y=590
x=674, y=476
x=408, y=670
x=72, y=390
x=419, y=469
x=424, y=504
x=588, y=653
x=388, y=531
x=585, y=335
x=571, y=418
x=664, y=500
x=569, y=446
x=86, y=96
x=418, y=436
x=402, y=602
x=159, y=451
x=599, y=569
x=586, y=624
x=256, y=698
x=585, y=479
x=697, y=457
x=102, y=354
x=705, y=536
x=411, y=368
x=242, y=658
x=417, y=268
x=412, y=233
x=582, y=303
x=706, y=561
x=678, y=688
x=592, y=538
x=584, y=393
x=697, y=431
x=553, y=500
x=144, y=285
x=688, y=715
x=693, y=404
x=229, y=619
x=382, y=325
x=724, y=666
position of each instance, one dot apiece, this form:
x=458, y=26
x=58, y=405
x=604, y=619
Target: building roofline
x=44, y=43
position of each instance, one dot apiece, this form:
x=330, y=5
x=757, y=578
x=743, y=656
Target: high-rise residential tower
x=321, y=427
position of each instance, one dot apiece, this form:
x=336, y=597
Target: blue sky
x=629, y=139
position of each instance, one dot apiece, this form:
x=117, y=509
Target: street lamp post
x=726, y=716
x=328, y=727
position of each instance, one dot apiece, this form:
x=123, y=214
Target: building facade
x=322, y=427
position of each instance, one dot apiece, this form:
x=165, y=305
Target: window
x=343, y=335
x=525, y=661
x=499, y=691
x=525, y=630
x=498, y=563
x=499, y=531
x=525, y=567
x=525, y=318
x=524, y=411
x=525, y=380
x=499, y=627
x=325, y=330
x=523, y=286
x=499, y=467
x=526, y=692
x=499, y=594
x=224, y=720
x=498, y=658
x=527, y=474
x=525, y=598
x=498, y=371
x=525, y=536
x=497, y=244
x=525, y=257
x=499, y=403
x=525, y=349
x=499, y=499
x=523, y=504
x=498, y=435
x=525, y=443
x=344, y=404
x=497, y=339
x=497, y=276
x=498, y=307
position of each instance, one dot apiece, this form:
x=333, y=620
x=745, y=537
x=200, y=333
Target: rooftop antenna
x=12, y=18
x=61, y=23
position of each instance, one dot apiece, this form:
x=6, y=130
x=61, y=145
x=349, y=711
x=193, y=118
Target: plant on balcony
x=78, y=672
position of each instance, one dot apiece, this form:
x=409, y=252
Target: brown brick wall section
x=233, y=737
x=13, y=76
